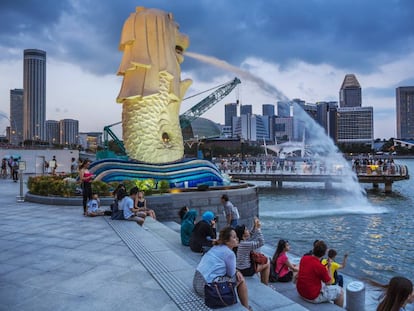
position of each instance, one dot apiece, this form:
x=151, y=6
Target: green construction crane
x=197, y=110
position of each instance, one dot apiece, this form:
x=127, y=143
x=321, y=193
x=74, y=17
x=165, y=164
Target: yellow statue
x=152, y=89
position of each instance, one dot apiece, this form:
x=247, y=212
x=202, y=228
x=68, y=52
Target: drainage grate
x=179, y=292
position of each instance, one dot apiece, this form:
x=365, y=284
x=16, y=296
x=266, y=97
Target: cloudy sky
x=295, y=49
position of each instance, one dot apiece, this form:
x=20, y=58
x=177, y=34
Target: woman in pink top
x=286, y=270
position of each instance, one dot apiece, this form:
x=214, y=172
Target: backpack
x=116, y=214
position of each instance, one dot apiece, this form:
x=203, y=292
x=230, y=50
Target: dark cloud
x=352, y=34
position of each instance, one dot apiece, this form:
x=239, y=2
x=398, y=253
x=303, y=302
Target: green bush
x=67, y=186
x=163, y=186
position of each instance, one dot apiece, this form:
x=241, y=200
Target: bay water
x=378, y=235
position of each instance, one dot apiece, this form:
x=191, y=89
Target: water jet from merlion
x=319, y=146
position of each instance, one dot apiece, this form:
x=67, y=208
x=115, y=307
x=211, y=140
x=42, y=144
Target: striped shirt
x=255, y=241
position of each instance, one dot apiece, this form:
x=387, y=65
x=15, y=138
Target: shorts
x=248, y=271
x=328, y=293
x=286, y=278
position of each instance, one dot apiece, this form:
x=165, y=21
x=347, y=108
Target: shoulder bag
x=258, y=258
x=220, y=294
x=274, y=276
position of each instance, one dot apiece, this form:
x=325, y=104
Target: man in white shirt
x=230, y=211
x=131, y=213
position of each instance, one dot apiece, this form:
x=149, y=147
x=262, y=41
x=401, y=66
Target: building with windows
x=230, y=111
x=16, y=117
x=249, y=127
x=53, y=132
x=405, y=112
x=90, y=140
x=246, y=109
x=326, y=117
x=355, y=125
x=284, y=128
x=350, y=94
x=268, y=111
x=69, y=132
x=34, y=95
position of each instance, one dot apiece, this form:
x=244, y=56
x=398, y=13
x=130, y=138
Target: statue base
x=180, y=174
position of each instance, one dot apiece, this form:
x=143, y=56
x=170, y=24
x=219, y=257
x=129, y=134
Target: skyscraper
x=53, y=132
x=16, y=116
x=268, y=111
x=246, y=109
x=355, y=125
x=350, y=94
x=69, y=132
x=405, y=112
x=230, y=111
x=34, y=99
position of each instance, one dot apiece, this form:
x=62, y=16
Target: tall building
x=230, y=111
x=268, y=111
x=326, y=117
x=350, y=94
x=246, y=109
x=69, y=132
x=53, y=132
x=16, y=116
x=284, y=128
x=355, y=125
x=249, y=127
x=405, y=112
x=284, y=109
x=34, y=99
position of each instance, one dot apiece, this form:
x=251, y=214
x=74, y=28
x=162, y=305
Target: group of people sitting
x=132, y=206
x=228, y=257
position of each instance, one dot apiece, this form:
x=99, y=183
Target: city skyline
x=303, y=49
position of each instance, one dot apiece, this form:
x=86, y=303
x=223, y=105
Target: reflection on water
x=377, y=235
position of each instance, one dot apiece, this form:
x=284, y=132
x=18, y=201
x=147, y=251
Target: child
x=94, y=207
x=336, y=278
x=141, y=205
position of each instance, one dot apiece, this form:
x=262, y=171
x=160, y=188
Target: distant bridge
x=365, y=174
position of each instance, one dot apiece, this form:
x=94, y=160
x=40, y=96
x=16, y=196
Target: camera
x=216, y=219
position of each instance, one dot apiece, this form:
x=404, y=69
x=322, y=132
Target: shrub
x=163, y=186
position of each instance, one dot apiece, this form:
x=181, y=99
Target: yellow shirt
x=334, y=266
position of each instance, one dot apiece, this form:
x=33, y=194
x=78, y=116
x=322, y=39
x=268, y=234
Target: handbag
x=220, y=294
x=273, y=275
x=258, y=258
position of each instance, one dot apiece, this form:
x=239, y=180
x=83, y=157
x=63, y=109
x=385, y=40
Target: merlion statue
x=152, y=90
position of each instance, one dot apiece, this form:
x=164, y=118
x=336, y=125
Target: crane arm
x=196, y=111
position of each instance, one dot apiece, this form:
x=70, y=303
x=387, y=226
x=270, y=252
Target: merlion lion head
x=152, y=90
x=152, y=43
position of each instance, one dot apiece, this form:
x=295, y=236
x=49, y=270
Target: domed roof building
x=201, y=128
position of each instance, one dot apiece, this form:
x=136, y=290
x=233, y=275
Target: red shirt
x=281, y=265
x=311, y=273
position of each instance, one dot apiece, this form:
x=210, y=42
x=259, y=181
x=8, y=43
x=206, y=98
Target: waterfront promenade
x=373, y=174
x=53, y=258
